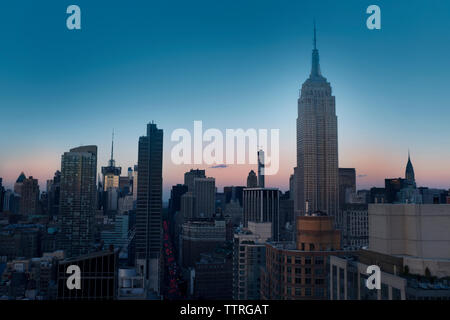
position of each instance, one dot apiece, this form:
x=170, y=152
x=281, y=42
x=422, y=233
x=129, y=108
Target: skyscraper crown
x=409, y=172
x=315, y=67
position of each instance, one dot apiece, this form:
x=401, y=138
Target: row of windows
x=318, y=260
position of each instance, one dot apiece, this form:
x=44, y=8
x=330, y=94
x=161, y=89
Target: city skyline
x=380, y=109
x=242, y=165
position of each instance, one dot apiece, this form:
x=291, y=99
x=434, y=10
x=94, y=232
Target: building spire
x=409, y=172
x=315, y=39
x=112, y=163
x=112, y=146
x=315, y=68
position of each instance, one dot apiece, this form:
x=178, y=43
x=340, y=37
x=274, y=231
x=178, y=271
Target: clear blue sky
x=231, y=64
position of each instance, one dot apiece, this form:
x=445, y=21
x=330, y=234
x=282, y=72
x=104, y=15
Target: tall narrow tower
x=111, y=173
x=409, y=172
x=149, y=207
x=317, y=170
x=261, y=173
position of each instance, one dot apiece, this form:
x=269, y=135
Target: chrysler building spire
x=409, y=172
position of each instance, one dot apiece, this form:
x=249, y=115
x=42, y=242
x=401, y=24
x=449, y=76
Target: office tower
x=355, y=225
x=261, y=163
x=111, y=173
x=124, y=185
x=111, y=200
x=201, y=237
x=317, y=144
x=187, y=205
x=347, y=184
x=249, y=255
x=11, y=202
x=53, y=191
x=298, y=271
x=263, y=205
x=213, y=276
x=118, y=237
x=392, y=188
x=130, y=174
x=101, y=284
x=149, y=206
x=205, y=197
x=28, y=189
x=347, y=190
x=190, y=176
x=233, y=212
x=78, y=199
x=291, y=186
x=21, y=240
x=175, y=198
x=252, y=180
x=234, y=193
x=287, y=218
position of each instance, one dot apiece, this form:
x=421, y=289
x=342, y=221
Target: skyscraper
x=347, y=190
x=263, y=205
x=409, y=173
x=28, y=189
x=149, y=206
x=190, y=176
x=111, y=173
x=317, y=145
x=78, y=199
x=252, y=180
x=205, y=197
x=53, y=191
x=261, y=168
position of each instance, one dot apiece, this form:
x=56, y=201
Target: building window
x=320, y=281
x=318, y=260
x=308, y=292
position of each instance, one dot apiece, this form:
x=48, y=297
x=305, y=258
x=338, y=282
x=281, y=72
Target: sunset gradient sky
x=231, y=64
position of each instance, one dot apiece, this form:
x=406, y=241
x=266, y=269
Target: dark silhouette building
x=149, y=207
x=252, y=180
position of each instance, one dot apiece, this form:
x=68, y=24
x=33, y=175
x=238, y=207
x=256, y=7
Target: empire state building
x=317, y=172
